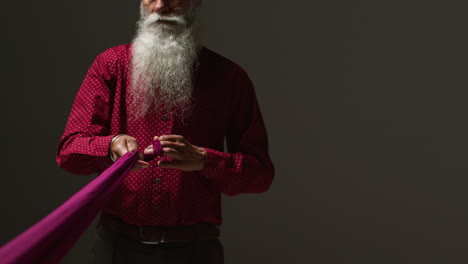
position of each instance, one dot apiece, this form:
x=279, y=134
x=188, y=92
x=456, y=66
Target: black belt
x=158, y=235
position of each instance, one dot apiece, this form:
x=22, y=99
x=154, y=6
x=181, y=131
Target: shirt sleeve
x=247, y=167
x=84, y=146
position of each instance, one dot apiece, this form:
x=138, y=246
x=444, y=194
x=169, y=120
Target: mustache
x=172, y=19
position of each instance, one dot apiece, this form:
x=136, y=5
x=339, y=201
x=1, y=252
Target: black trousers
x=112, y=248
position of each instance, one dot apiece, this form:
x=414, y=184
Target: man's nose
x=159, y=6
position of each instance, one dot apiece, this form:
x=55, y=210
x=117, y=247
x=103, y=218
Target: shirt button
x=158, y=180
x=164, y=117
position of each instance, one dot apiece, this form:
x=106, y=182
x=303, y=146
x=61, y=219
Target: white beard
x=163, y=62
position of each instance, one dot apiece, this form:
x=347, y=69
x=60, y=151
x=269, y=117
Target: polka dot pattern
x=225, y=108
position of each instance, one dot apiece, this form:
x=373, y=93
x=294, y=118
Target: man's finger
x=120, y=150
x=149, y=150
x=173, y=144
x=131, y=144
x=140, y=165
x=170, y=164
x=171, y=138
x=173, y=153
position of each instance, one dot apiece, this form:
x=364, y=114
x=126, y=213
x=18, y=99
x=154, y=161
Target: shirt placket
x=166, y=124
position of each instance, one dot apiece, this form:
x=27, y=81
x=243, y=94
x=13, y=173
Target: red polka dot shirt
x=226, y=108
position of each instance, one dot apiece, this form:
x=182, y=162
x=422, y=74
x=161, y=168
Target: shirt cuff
x=101, y=151
x=215, y=160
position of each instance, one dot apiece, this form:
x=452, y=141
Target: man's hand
x=123, y=144
x=185, y=156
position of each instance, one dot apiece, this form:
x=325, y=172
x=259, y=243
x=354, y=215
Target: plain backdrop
x=365, y=102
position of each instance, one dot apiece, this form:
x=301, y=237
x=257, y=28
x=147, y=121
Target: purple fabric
x=49, y=240
x=157, y=151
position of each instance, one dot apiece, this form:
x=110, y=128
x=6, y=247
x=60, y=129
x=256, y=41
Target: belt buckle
x=163, y=232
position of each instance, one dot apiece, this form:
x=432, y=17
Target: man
x=165, y=86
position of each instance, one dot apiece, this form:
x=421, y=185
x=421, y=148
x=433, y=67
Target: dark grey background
x=366, y=104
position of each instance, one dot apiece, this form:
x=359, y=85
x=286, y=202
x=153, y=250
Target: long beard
x=165, y=56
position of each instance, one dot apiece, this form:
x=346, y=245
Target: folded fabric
x=48, y=241
x=157, y=151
